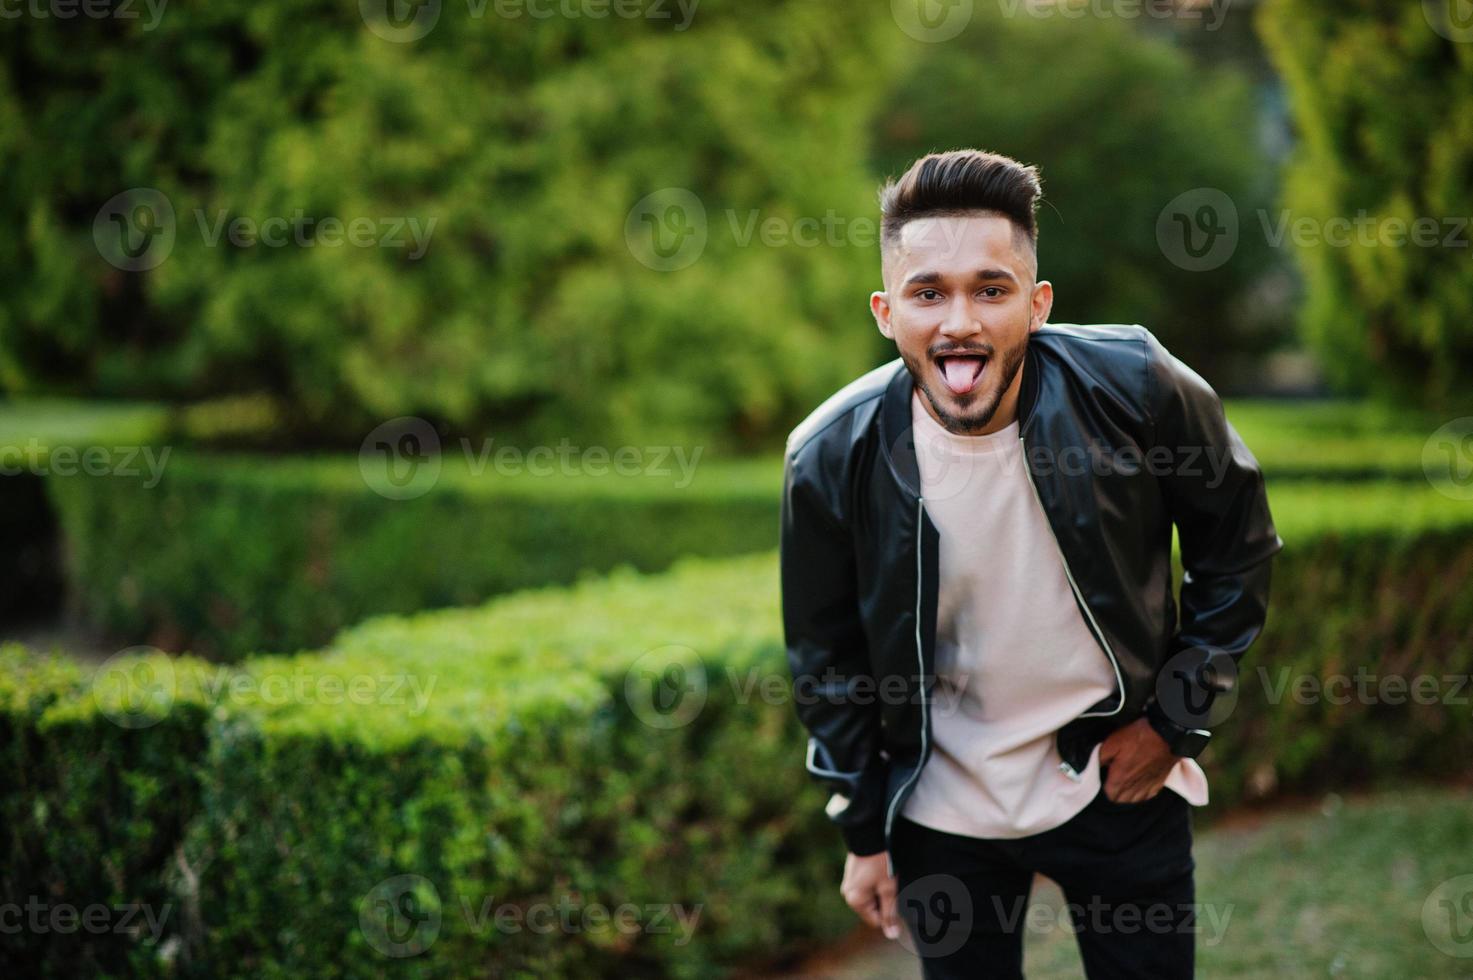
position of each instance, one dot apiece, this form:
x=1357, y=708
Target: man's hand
x=869, y=888
x=1139, y=761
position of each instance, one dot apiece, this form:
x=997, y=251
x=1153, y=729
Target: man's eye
x=992, y=292
x=928, y=294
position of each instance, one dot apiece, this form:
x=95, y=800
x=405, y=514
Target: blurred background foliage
x=525, y=142
x=515, y=160
x=1393, y=321
x=518, y=150
x=1119, y=121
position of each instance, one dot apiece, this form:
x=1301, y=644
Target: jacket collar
x=897, y=439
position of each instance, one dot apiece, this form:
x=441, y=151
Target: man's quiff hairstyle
x=957, y=183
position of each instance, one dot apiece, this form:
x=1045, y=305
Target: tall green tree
x=1120, y=122
x=1382, y=188
x=538, y=299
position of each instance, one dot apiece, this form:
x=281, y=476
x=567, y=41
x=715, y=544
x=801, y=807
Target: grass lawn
x=1329, y=890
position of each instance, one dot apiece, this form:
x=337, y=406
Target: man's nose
x=960, y=321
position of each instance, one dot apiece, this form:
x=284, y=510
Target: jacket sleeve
x=1214, y=492
x=827, y=652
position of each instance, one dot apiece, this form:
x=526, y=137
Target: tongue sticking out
x=961, y=373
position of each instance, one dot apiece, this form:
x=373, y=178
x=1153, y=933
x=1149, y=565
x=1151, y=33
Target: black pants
x=1126, y=870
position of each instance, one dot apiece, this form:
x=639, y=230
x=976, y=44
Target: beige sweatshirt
x=1015, y=659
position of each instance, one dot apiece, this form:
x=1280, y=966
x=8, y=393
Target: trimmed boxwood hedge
x=267, y=807
x=235, y=553
x=230, y=554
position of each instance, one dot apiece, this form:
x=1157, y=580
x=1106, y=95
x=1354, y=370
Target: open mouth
x=962, y=371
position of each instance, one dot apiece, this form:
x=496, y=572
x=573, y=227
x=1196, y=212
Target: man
x=978, y=604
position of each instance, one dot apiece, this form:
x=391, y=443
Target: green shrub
x=519, y=145
x=93, y=811
x=230, y=554
x=527, y=777
x=1380, y=95
x=517, y=754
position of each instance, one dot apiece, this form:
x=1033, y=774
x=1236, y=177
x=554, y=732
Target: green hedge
x=531, y=779
x=1333, y=439
x=230, y=554
x=512, y=764
x=92, y=813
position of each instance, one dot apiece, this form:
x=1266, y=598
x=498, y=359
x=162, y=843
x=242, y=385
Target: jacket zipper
x=1099, y=634
x=921, y=680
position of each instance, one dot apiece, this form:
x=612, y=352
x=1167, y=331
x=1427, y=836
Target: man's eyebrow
x=929, y=277
x=925, y=277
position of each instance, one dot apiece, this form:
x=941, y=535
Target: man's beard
x=973, y=420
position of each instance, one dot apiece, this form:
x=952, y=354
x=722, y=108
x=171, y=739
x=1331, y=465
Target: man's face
x=960, y=300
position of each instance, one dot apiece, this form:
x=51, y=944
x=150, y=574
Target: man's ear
x=879, y=305
x=1043, y=302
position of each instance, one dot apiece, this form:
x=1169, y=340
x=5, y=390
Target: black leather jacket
x=859, y=554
